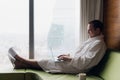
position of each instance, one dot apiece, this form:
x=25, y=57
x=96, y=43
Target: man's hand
x=65, y=57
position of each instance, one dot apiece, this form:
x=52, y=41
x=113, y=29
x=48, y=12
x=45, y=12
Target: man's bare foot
x=16, y=63
x=19, y=65
x=12, y=59
x=12, y=51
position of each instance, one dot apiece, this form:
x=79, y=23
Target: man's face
x=93, y=32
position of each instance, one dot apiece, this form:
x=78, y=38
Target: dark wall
x=111, y=16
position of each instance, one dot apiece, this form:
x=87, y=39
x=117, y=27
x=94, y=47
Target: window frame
x=31, y=29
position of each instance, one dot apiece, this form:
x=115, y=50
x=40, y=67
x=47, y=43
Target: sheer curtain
x=90, y=10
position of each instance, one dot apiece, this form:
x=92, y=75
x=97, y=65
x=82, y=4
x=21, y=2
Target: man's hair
x=97, y=24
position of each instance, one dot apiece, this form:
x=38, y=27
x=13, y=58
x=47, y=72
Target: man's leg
x=19, y=62
x=24, y=63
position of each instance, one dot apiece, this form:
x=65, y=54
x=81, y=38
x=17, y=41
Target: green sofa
x=110, y=70
x=107, y=69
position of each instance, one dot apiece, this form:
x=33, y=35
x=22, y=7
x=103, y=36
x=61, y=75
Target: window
x=14, y=27
x=56, y=27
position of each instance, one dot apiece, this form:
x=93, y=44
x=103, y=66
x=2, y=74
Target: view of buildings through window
x=56, y=27
x=14, y=28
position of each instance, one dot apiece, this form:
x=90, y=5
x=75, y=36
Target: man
x=87, y=56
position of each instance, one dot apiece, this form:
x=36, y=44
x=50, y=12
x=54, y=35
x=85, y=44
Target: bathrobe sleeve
x=92, y=54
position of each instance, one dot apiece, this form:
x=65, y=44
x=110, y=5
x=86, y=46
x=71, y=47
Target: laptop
x=56, y=59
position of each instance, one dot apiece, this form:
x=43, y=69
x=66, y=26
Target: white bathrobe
x=88, y=55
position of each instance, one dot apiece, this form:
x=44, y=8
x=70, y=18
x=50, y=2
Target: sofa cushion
x=50, y=76
x=12, y=74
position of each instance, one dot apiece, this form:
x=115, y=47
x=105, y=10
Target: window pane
x=56, y=27
x=14, y=27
